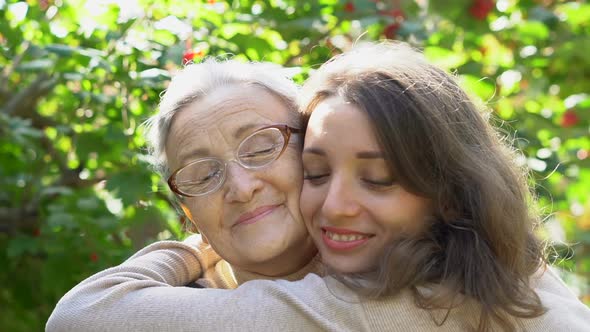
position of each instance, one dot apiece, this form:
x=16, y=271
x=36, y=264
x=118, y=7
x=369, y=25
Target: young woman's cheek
x=310, y=201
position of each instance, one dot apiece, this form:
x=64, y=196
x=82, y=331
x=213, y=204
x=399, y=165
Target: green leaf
x=531, y=32
x=130, y=186
x=484, y=88
x=43, y=65
x=445, y=58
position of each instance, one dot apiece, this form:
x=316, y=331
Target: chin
x=341, y=267
x=345, y=265
x=253, y=258
x=265, y=248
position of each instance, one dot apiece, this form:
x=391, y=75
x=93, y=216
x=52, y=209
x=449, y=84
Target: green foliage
x=78, y=78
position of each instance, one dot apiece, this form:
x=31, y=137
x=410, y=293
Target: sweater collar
x=241, y=276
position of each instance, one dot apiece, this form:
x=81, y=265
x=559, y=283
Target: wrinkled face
x=253, y=221
x=352, y=205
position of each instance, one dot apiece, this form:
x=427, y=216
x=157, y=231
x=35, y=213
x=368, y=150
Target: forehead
x=222, y=118
x=337, y=123
x=231, y=106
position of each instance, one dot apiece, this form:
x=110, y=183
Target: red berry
x=349, y=7
x=187, y=57
x=488, y=5
x=210, y=2
x=481, y=8
x=477, y=13
x=390, y=31
x=36, y=232
x=570, y=119
x=94, y=257
x=44, y=4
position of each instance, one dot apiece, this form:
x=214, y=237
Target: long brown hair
x=480, y=244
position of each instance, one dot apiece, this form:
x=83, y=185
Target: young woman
x=407, y=186
x=413, y=203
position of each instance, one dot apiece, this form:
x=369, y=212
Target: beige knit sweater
x=146, y=293
x=217, y=273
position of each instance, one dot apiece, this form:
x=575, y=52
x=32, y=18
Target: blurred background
x=78, y=78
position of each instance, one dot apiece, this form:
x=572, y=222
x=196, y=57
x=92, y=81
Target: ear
x=189, y=215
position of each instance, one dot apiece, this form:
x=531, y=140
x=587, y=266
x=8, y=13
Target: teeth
x=345, y=237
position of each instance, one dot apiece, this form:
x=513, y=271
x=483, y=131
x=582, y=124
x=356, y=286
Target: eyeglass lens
x=257, y=150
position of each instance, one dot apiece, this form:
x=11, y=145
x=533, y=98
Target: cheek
x=407, y=213
x=311, y=202
x=205, y=211
x=417, y=207
x=287, y=175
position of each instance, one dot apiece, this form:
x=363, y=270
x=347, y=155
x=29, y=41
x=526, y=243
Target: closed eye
x=200, y=181
x=269, y=150
x=316, y=179
x=379, y=185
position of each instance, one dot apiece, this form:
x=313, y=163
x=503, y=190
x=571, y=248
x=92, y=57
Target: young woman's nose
x=240, y=183
x=341, y=200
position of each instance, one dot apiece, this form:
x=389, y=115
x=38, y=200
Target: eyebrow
x=359, y=155
x=314, y=151
x=205, y=152
x=247, y=127
x=192, y=153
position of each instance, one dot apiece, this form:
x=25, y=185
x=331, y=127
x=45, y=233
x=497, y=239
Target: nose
x=341, y=200
x=241, y=184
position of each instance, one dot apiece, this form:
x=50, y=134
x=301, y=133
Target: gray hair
x=196, y=80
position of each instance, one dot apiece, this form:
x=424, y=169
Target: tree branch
x=23, y=103
x=9, y=69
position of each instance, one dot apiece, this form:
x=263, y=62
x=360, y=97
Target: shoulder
x=565, y=312
x=311, y=286
x=312, y=303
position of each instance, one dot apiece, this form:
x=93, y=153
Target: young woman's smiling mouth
x=343, y=239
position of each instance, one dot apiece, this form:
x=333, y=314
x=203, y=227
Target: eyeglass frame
x=284, y=129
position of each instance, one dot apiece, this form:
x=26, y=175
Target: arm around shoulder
x=163, y=264
x=259, y=305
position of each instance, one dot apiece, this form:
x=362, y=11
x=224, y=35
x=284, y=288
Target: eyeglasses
x=206, y=175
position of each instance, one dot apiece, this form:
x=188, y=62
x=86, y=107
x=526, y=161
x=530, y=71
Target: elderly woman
x=384, y=234
x=226, y=137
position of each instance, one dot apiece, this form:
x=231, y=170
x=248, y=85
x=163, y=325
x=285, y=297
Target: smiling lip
x=252, y=217
x=343, y=245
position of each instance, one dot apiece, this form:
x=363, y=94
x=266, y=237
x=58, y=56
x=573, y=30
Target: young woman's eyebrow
x=313, y=150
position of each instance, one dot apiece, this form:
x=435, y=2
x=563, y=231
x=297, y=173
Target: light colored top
x=218, y=273
x=145, y=293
